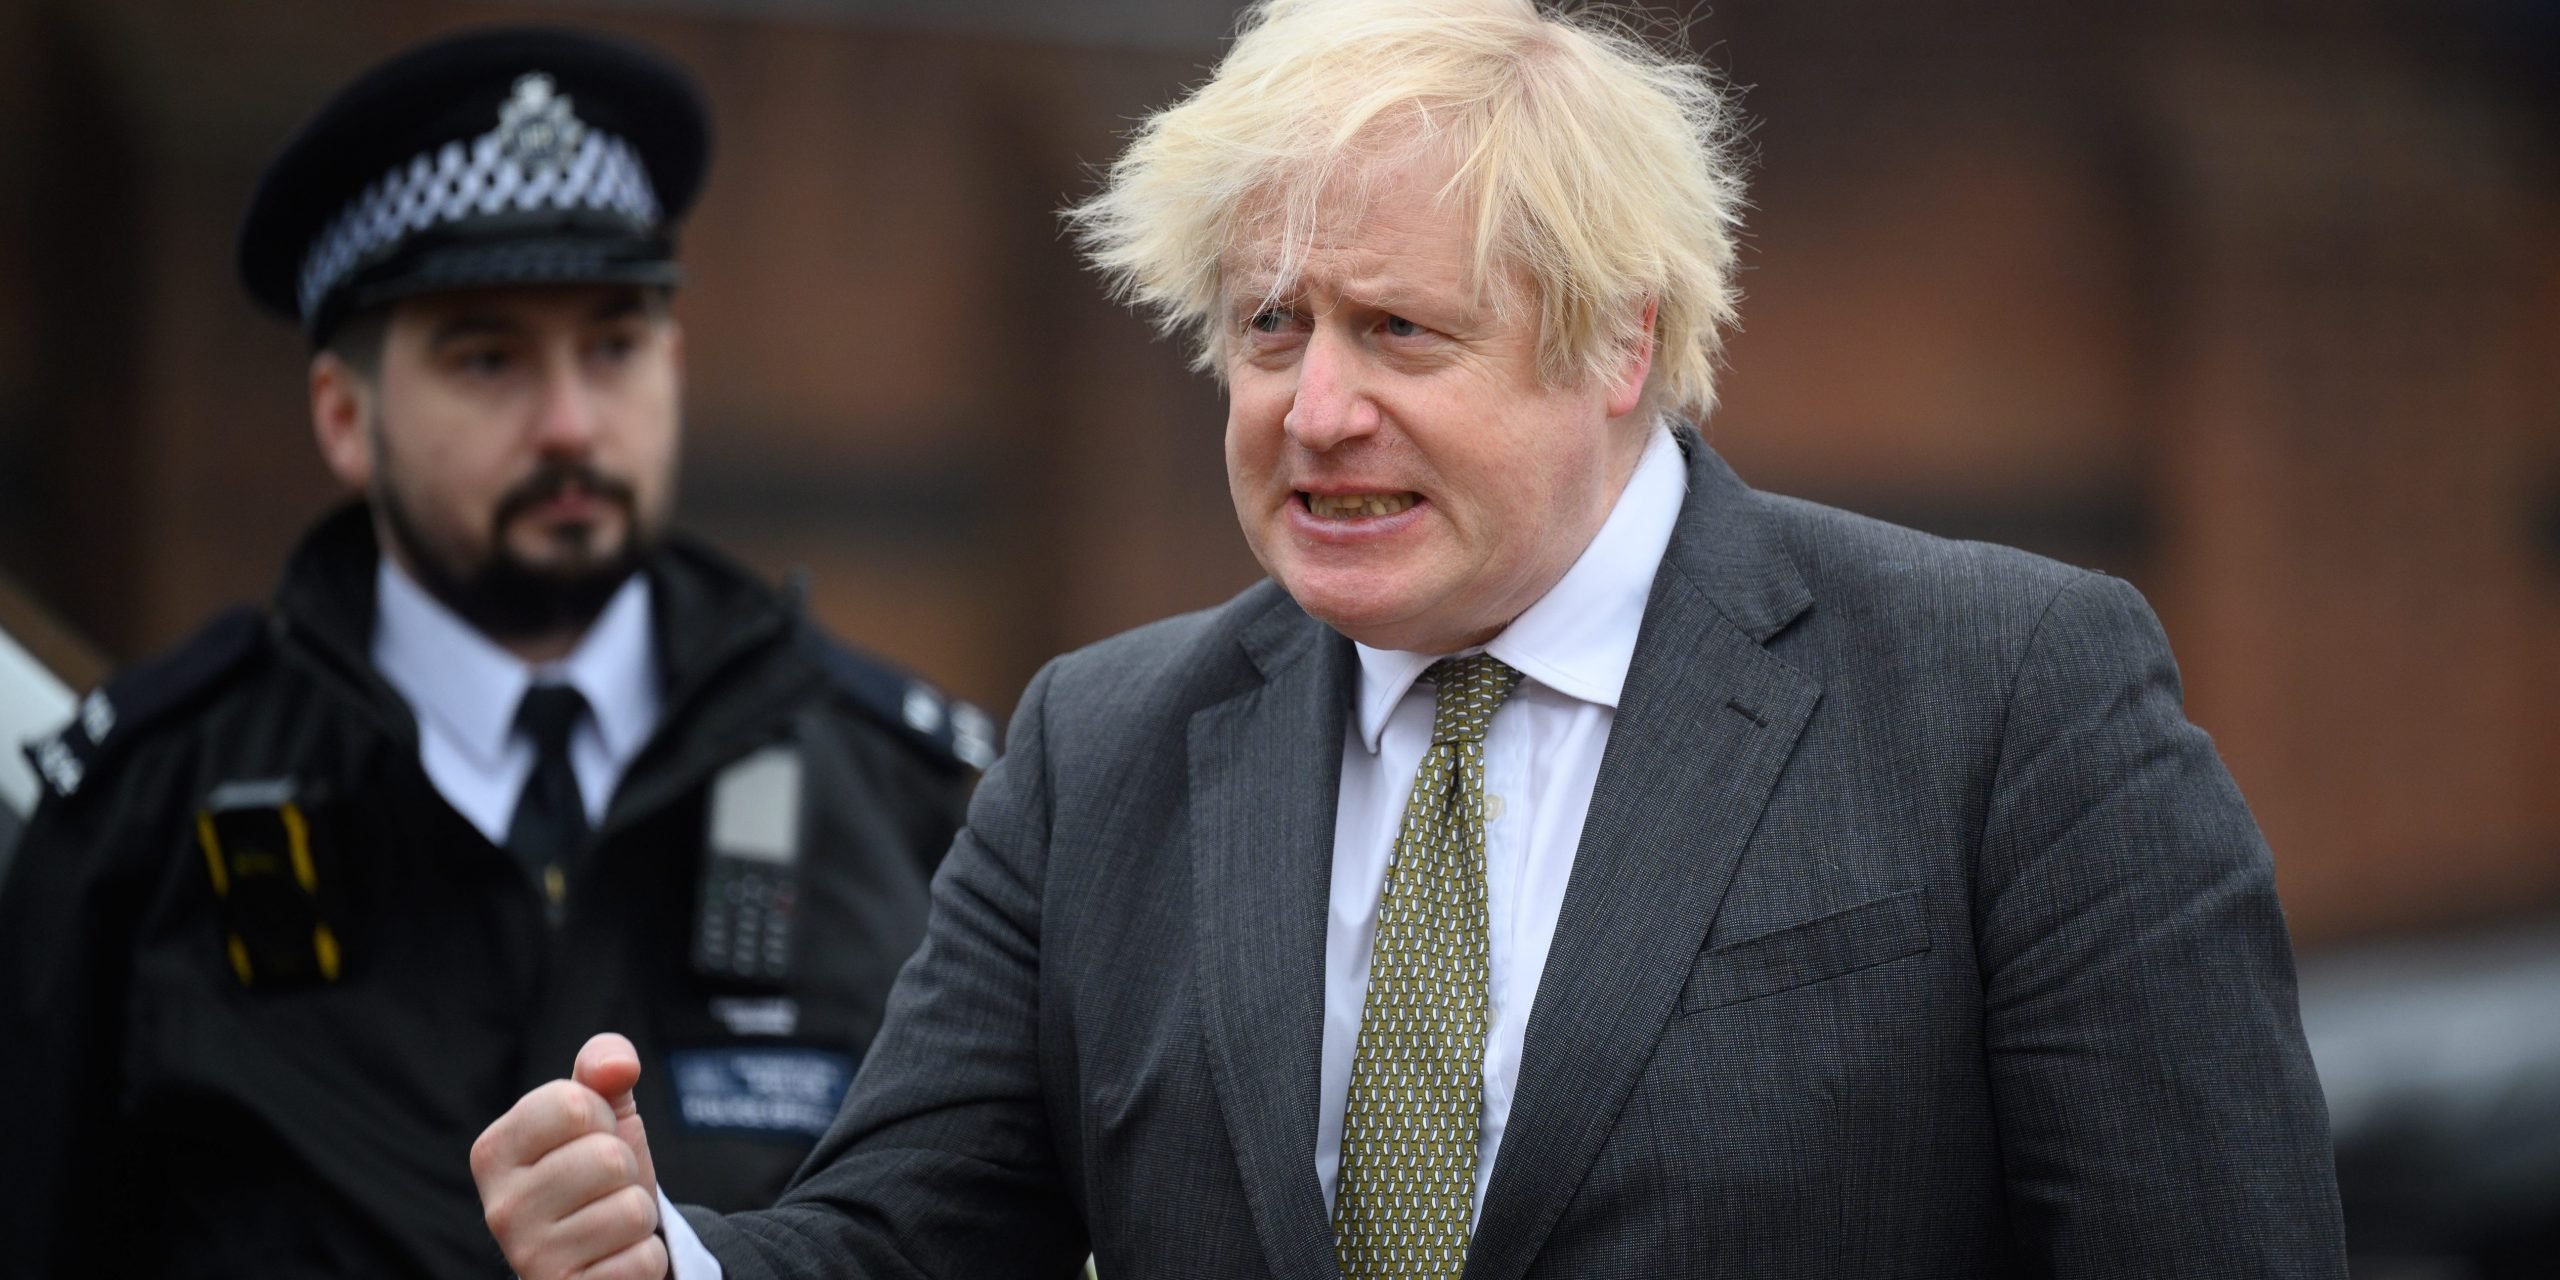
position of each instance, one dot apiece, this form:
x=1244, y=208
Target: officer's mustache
x=554, y=477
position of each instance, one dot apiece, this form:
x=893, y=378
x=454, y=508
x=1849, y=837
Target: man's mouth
x=564, y=491
x=1354, y=506
x=571, y=501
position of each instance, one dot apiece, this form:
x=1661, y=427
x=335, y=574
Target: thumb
x=610, y=1067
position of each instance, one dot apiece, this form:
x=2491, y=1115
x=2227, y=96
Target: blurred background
x=2255, y=303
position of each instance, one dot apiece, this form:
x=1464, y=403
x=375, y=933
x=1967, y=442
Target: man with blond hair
x=1572, y=862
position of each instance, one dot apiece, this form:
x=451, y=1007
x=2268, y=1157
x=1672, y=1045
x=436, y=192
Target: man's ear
x=341, y=409
x=1634, y=366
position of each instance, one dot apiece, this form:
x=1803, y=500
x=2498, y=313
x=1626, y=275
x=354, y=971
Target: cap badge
x=535, y=126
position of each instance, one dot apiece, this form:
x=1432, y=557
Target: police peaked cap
x=517, y=155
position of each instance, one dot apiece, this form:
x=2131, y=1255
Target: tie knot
x=1470, y=688
x=548, y=713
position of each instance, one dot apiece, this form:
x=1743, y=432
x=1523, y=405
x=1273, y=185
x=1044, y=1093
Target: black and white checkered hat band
x=468, y=180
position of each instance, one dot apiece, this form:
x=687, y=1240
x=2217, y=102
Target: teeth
x=1345, y=506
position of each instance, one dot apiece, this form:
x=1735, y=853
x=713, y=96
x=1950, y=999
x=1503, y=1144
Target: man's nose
x=1331, y=404
x=566, y=416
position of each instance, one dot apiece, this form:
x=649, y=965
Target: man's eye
x=1399, y=327
x=1268, y=321
x=616, y=346
x=486, y=362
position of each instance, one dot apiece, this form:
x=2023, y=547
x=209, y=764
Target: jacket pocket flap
x=1860, y=937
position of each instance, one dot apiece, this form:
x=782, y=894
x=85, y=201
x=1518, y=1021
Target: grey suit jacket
x=1913, y=932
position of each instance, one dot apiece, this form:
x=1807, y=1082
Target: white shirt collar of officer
x=470, y=687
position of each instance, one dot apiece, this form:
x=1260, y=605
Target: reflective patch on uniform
x=97, y=715
x=757, y=1015
x=760, y=1090
x=59, y=764
x=973, y=735
x=922, y=709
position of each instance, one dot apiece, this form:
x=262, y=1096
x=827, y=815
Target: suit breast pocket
x=1875, y=932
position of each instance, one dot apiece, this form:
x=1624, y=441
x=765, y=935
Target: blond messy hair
x=1592, y=165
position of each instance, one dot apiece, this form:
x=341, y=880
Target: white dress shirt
x=1542, y=756
x=464, y=691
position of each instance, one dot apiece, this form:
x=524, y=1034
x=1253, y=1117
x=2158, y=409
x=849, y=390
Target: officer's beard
x=503, y=596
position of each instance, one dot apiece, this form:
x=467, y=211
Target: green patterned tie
x=1406, y=1189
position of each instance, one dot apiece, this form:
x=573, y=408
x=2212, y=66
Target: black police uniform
x=171, y=1112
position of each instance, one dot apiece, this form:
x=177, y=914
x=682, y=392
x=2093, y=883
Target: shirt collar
x=615, y=665
x=1579, y=637
x=470, y=687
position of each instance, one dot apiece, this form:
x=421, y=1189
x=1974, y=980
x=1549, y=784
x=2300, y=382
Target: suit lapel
x=1265, y=767
x=1705, y=723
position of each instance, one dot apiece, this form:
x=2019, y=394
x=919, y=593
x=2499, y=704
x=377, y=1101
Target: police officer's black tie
x=550, y=820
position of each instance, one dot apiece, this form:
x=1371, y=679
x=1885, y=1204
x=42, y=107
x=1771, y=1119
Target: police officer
x=312, y=898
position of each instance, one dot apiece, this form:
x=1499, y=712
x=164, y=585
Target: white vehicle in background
x=34, y=701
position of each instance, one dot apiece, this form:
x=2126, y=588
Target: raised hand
x=565, y=1179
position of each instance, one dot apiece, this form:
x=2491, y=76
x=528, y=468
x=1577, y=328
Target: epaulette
x=944, y=726
x=114, y=713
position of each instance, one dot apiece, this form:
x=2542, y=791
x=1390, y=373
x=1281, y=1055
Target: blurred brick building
x=2256, y=304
